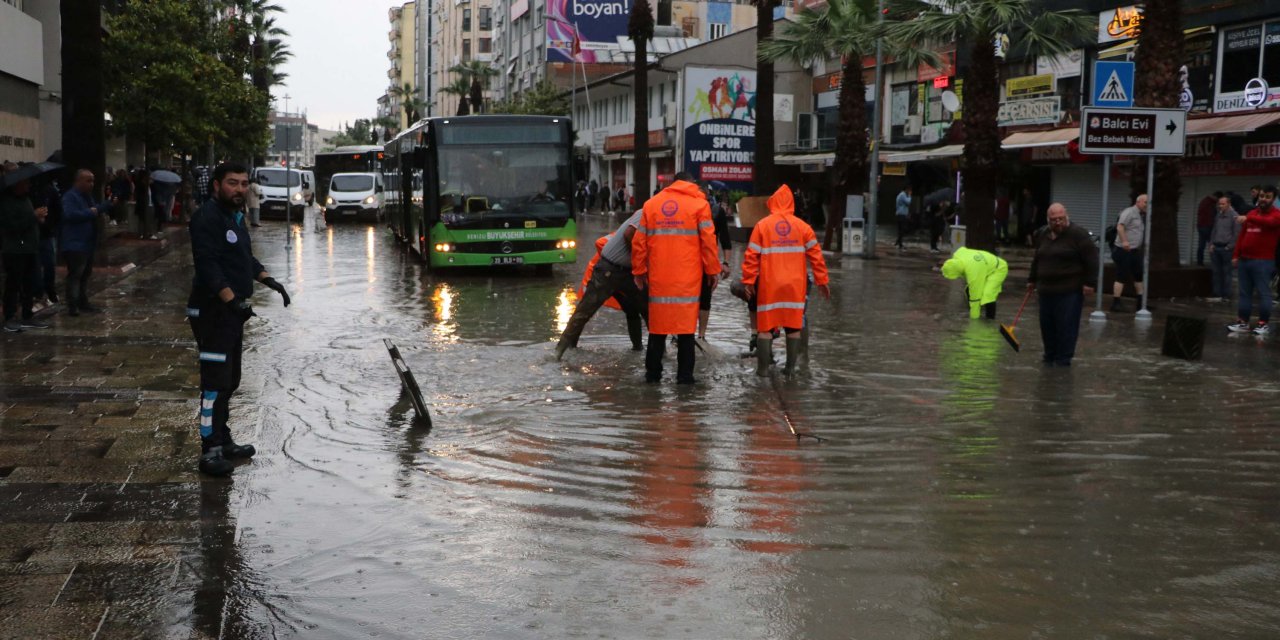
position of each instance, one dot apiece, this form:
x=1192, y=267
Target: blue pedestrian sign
x=1112, y=84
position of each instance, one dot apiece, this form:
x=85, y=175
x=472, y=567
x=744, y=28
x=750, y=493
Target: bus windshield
x=479, y=182
x=352, y=183
x=276, y=177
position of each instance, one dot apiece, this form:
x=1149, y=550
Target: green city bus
x=485, y=190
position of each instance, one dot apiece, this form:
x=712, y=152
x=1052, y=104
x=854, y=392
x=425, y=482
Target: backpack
x=1111, y=236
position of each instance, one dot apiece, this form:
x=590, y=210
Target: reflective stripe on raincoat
x=675, y=246
x=775, y=260
x=984, y=272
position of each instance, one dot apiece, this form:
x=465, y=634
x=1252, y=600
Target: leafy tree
x=544, y=99
x=1157, y=84
x=356, y=133
x=640, y=29
x=976, y=24
x=764, y=178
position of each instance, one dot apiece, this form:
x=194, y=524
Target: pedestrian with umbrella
x=20, y=230
x=937, y=204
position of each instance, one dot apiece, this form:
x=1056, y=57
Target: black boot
x=233, y=451
x=990, y=309
x=764, y=356
x=213, y=463
x=793, y=354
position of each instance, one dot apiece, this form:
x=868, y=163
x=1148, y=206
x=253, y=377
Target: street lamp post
x=288, y=183
x=874, y=179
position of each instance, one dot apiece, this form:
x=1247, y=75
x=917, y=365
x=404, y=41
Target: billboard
x=595, y=24
x=720, y=125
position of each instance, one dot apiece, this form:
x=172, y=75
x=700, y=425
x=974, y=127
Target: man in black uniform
x=218, y=308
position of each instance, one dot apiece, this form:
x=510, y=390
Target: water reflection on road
x=962, y=491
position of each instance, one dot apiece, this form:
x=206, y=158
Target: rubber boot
x=802, y=360
x=990, y=309
x=764, y=354
x=213, y=463
x=751, y=348
x=793, y=354
x=233, y=451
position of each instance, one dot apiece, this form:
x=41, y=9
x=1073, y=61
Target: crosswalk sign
x=1112, y=84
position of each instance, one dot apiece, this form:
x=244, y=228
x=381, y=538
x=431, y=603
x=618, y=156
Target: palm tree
x=477, y=74
x=976, y=24
x=459, y=87
x=410, y=102
x=844, y=29
x=640, y=28
x=1156, y=74
x=764, y=179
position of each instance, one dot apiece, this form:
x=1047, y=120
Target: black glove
x=271, y=283
x=241, y=309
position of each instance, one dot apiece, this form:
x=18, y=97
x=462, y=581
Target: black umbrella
x=945, y=194
x=27, y=172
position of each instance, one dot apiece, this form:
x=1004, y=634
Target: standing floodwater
x=962, y=491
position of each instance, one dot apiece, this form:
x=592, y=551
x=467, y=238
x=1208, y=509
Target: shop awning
x=949, y=151
x=611, y=156
x=1246, y=123
x=1051, y=138
x=805, y=158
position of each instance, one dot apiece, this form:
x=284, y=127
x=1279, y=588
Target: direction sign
x=1138, y=132
x=1112, y=84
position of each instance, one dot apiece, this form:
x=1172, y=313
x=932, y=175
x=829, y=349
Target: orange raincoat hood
x=782, y=202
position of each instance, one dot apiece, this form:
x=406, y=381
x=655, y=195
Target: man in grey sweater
x=1222, y=238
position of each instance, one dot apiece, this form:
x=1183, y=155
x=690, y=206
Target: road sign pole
x=1098, y=314
x=1145, y=313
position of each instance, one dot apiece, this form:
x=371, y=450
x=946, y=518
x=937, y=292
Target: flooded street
x=961, y=490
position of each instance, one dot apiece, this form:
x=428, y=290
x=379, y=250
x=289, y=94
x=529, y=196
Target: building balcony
x=816, y=144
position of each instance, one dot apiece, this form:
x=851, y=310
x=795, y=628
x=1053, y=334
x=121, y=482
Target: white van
x=354, y=195
x=276, y=191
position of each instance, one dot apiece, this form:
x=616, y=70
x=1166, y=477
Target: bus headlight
x=566, y=244
x=445, y=247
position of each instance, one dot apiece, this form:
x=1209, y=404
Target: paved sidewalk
x=100, y=504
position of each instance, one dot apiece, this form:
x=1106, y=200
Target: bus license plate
x=507, y=260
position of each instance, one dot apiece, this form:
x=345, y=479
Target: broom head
x=1007, y=332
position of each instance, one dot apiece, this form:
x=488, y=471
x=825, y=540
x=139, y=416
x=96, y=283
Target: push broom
x=1007, y=330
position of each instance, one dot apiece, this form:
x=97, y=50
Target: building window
x=466, y=49
x=466, y=19
x=484, y=45
x=716, y=30
x=486, y=18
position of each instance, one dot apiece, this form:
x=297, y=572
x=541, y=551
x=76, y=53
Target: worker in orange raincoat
x=672, y=254
x=774, y=275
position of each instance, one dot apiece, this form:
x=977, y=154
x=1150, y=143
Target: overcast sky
x=339, y=64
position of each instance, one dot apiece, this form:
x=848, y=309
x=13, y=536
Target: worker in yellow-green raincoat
x=984, y=275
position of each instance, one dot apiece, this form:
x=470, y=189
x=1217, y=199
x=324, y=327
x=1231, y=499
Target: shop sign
x=1063, y=65
x=719, y=139
x=1054, y=153
x=1121, y=23
x=613, y=144
x=1200, y=147
x=1045, y=110
x=1255, y=92
x=812, y=167
x=1261, y=151
x=1028, y=86
x=895, y=169
x=1229, y=168
x=17, y=141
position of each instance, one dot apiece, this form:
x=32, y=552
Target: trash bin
x=957, y=235
x=853, y=236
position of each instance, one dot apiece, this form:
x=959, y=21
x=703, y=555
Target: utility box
x=853, y=236
x=957, y=236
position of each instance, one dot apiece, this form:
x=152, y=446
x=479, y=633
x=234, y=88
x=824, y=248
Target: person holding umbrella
x=20, y=230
